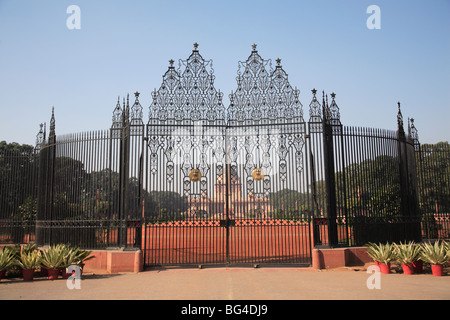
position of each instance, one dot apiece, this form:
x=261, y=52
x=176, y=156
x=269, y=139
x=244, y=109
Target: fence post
x=44, y=215
x=330, y=181
x=409, y=203
x=124, y=176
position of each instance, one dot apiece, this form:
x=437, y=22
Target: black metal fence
x=366, y=188
x=19, y=167
x=84, y=196
x=433, y=175
x=334, y=185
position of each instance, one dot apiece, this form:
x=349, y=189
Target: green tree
x=433, y=167
x=288, y=203
x=165, y=204
x=18, y=177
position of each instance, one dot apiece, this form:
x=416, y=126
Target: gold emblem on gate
x=258, y=174
x=195, y=175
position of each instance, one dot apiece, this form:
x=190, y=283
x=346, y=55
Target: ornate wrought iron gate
x=202, y=183
x=252, y=182
x=226, y=185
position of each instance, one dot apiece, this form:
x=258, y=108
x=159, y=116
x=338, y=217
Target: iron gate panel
x=269, y=196
x=269, y=181
x=185, y=158
x=226, y=185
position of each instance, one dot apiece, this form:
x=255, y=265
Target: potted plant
x=69, y=258
x=371, y=251
x=28, y=261
x=81, y=256
x=6, y=261
x=436, y=255
x=382, y=254
x=447, y=248
x=52, y=259
x=407, y=254
x=29, y=247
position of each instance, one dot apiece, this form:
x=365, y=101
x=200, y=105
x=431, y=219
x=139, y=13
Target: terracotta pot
x=385, y=268
x=436, y=269
x=408, y=268
x=418, y=266
x=28, y=275
x=44, y=271
x=53, y=274
x=64, y=273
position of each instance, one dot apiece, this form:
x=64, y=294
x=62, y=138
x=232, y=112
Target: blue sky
x=124, y=46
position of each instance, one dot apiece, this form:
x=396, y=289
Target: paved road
x=234, y=284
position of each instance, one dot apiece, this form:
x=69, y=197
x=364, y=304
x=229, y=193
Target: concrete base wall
x=115, y=261
x=339, y=257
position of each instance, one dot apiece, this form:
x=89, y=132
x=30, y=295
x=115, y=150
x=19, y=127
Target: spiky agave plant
x=7, y=258
x=382, y=253
x=435, y=254
x=447, y=247
x=81, y=256
x=28, y=260
x=69, y=255
x=407, y=253
x=53, y=257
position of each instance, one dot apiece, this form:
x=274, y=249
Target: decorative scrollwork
x=315, y=109
x=117, y=115
x=335, y=116
x=413, y=134
x=52, y=135
x=188, y=94
x=136, y=111
x=263, y=95
x=40, y=137
x=400, y=119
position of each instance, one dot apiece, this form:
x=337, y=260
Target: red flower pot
x=408, y=268
x=44, y=271
x=53, y=274
x=418, y=266
x=28, y=275
x=436, y=269
x=64, y=273
x=385, y=268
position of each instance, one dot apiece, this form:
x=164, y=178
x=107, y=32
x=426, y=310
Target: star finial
x=171, y=62
x=195, y=46
x=136, y=94
x=254, y=47
x=279, y=61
